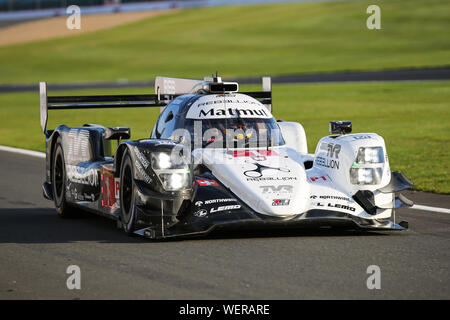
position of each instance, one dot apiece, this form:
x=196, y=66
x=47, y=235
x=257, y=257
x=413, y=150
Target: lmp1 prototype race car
x=216, y=158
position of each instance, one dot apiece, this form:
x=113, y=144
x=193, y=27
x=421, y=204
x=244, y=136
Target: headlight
x=174, y=181
x=368, y=166
x=174, y=174
x=366, y=175
x=370, y=155
x=161, y=161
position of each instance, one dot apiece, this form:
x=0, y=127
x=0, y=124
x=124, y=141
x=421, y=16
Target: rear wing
x=166, y=90
x=95, y=102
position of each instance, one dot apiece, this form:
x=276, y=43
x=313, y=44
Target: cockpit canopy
x=218, y=121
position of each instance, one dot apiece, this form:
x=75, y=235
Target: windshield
x=234, y=133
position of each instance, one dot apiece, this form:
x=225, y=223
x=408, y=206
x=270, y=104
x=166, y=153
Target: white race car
x=217, y=157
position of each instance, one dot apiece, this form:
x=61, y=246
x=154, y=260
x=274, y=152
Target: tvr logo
x=332, y=149
x=275, y=189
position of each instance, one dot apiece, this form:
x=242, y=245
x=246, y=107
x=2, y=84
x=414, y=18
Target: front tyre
x=127, y=195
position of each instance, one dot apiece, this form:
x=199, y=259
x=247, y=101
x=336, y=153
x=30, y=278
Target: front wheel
x=127, y=195
x=59, y=182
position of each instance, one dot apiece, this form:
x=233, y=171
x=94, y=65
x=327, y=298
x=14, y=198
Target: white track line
x=42, y=155
x=23, y=151
x=427, y=208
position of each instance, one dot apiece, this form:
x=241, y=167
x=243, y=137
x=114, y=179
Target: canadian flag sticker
x=207, y=183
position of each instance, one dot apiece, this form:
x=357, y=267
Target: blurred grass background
x=242, y=41
x=413, y=117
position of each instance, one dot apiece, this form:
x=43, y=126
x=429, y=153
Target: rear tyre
x=64, y=209
x=127, y=195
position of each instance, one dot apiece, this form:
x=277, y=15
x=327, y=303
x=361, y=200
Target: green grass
x=413, y=117
x=243, y=41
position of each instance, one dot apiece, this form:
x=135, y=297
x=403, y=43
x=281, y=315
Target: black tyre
x=59, y=182
x=127, y=195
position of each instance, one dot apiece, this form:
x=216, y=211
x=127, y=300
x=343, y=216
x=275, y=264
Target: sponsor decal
x=336, y=205
x=160, y=142
x=272, y=179
x=90, y=197
x=207, y=183
x=284, y=188
x=213, y=201
x=280, y=202
x=256, y=153
x=201, y=213
x=331, y=198
x=258, y=171
x=320, y=179
x=327, y=163
x=216, y=107
x=142, y=172
x=141, y=158
x=224, y=208
x=259, y=158
x=108, y=191
x=362, y=137
x=81, y=175
x=116, y=187
x=232, y=112
x=333, y=151
x=341, y=206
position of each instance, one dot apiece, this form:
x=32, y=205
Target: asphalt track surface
x=37, y=246
x=424, y=74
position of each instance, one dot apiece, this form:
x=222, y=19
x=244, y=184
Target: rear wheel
x=59, y=182
x=127, y=195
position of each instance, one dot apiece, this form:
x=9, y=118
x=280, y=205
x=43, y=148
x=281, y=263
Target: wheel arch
x=53, y=141
x=118, y=158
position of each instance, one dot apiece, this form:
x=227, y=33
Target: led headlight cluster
x=370, y=155
x=161, y=161
x=174, y=175
x=173, y=181
x=368, y=166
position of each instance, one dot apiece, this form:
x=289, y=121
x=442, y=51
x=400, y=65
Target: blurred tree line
x=13, y=5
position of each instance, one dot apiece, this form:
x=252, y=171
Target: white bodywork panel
x=294, y=136
x=283, y=177
x=273, y=181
